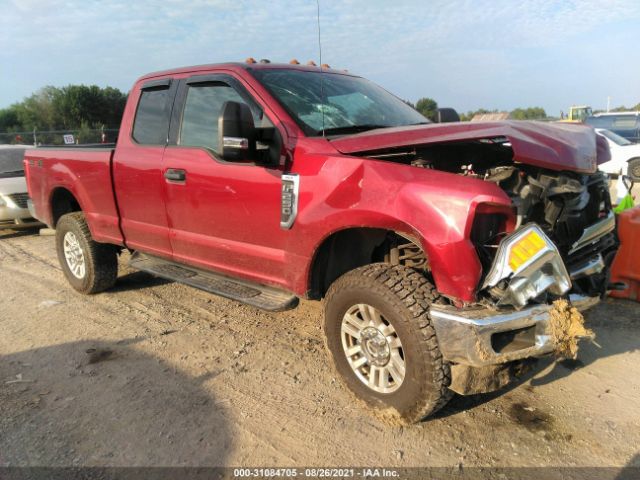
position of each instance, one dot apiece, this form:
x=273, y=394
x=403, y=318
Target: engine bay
x=563, y=203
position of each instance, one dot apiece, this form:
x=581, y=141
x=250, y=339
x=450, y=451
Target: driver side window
x=201, y=110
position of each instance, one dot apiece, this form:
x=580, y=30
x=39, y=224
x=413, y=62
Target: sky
x=465, y=54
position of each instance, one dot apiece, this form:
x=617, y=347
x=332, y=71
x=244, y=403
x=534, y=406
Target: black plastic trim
x=176, y=112
x=163, y=82
x=222, y=78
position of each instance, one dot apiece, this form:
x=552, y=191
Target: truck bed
x=81, y=171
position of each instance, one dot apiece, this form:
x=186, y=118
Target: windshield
x=350, y=104
x=11, y=162
x=614, y=137
x=581, y=113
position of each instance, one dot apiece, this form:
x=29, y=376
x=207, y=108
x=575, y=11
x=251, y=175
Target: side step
x=267, y=298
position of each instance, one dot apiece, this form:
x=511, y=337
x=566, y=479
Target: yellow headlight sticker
x=525, y=249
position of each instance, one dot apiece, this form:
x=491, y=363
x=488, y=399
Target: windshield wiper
x=352, y=129
x=12, y=173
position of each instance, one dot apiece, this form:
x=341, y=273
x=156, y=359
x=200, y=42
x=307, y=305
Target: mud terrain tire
x=95, y=264
x=402, y=296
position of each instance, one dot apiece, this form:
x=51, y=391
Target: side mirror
x=447, y=115
x=268, y=146
x=236, y=132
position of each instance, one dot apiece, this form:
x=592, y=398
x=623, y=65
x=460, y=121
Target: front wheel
x=89, y=266
x=379, y=334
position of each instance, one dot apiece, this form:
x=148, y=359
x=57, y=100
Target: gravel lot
x=155, y=373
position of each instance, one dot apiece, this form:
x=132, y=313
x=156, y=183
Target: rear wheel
x=379, y=334
x=89, y=266
x=634, y=169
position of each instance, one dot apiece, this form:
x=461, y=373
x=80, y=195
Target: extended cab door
x=222, y=215
x=137, y=168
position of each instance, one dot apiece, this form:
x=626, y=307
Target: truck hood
x=556, y=146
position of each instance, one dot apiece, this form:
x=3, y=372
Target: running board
x=261, y=296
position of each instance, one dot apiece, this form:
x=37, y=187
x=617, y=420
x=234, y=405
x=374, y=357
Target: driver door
x=222, y=215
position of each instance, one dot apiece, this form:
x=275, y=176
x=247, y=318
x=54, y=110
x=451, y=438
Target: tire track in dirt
x=16, y=245
x=284, y=400
x=281, y=333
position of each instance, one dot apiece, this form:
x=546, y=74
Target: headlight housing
x=529, y=264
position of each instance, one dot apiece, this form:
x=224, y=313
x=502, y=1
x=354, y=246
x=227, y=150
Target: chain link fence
x=81, y=136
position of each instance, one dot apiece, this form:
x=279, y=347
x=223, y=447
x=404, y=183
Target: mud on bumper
x=481, y=337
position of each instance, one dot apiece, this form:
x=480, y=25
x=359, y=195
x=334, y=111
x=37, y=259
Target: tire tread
x=101, y=258
x=416, y=294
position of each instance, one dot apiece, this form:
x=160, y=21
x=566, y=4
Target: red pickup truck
x=437, y=249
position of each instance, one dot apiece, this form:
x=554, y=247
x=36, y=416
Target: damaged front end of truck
x=541, y=266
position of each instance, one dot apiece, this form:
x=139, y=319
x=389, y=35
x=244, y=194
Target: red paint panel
x=139, y=186
x=86, y=173
x=556, y=146
x=225, y=216
x=339, y=192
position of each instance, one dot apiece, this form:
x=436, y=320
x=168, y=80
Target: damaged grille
x=564, y=205
x=574, y=210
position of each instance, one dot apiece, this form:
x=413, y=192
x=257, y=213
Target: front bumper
x=16, y=218
x=481, y=337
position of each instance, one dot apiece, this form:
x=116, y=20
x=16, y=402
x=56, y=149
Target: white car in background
x=625, y=155
x=14, y=212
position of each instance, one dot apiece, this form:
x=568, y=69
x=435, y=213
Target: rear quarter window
x=151, y=124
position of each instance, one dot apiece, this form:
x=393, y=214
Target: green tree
x=427, y=107
x=36, y=111
x=621, y=108
x=9, y=118
x=465, y=117
x=70, y=107
x=531, y=113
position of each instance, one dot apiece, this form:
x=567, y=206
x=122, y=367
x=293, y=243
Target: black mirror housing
x=447, y=115
x=268, y=145
x=236, y=132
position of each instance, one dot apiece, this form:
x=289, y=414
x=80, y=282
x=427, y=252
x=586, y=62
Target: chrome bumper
x=465, y=336
x=16, y=218
x=10, y=216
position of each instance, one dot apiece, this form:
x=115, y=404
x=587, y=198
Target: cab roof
x=241, y=66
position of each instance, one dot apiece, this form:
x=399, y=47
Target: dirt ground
x=156, y=373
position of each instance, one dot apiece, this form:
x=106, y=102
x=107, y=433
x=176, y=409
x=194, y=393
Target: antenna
x=321, y=74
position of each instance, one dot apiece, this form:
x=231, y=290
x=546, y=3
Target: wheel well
x=355, y=247
x=62, y=202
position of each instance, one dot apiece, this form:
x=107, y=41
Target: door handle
x=175, y=174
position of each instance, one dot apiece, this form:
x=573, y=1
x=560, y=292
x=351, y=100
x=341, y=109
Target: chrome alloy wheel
x=373, y=348
x=73, y=255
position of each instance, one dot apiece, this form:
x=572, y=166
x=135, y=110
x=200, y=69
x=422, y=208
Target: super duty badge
x=289, y=204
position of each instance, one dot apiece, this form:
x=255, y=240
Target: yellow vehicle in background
x=577, y=114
